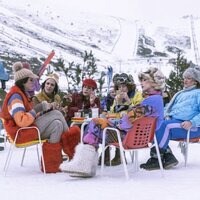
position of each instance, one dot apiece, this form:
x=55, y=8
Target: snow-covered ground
x=28, y=182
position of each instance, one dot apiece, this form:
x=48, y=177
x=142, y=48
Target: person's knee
x=57, y=113
x=58, y=125
x=56, y=131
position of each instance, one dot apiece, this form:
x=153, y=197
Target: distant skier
x=3, y=76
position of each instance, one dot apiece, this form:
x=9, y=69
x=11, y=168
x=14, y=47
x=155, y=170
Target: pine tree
x=76, y=73
x=101, y=82
x=59, y=65
x=175, y=81
x=89, y=67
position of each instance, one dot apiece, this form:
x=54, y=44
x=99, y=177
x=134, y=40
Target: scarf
x=42, y=96
x=154, y=92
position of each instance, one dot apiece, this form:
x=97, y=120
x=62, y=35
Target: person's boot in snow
x=169, y=159
x=107, y=158
x=152, y=163
x=70, y=139
x=52, y=157
x=117, y=159
x=84, y=162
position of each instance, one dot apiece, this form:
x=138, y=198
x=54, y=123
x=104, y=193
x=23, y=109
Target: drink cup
x=95, y=112
x=77, y=114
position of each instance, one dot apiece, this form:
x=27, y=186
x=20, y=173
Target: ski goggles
x=121, y=80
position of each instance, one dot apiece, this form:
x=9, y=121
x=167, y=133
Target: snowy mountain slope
x=36, y=34
x=34, y=29
x=158, y=39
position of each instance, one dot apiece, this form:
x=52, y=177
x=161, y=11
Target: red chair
x=140, y=136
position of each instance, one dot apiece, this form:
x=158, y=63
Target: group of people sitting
x=52, y=115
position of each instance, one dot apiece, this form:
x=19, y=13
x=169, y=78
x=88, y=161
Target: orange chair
x=140, y=136
x=14, y=144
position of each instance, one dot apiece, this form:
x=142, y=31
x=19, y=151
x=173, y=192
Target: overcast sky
x=132, y=9
x=139, y=9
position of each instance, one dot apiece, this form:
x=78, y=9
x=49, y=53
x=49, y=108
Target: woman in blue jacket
x=181, y=114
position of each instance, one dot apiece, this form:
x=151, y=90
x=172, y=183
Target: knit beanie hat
x=26, y=65
x=154, y=75
x=20, y=72
x=53, y=76
x=123, y=79
x=90, y=82
x=193, y=72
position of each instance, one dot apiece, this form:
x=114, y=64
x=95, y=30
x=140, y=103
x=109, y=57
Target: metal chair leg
x=8, y=159
x=159, y=157
x=24, y=152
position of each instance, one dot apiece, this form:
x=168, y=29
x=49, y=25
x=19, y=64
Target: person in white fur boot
x=84, y=162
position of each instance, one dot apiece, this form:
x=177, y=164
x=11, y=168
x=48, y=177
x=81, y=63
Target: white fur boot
x=84, y=162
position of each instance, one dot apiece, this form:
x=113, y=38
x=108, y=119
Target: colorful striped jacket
x=17, y=111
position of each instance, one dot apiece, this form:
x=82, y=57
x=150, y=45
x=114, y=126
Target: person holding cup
x=126, y=93
x=85, y=100
x=126, y=96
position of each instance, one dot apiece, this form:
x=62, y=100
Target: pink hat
x=26, y=65
x=20, y=72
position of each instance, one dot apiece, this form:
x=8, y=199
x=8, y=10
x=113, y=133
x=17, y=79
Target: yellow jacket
x=136, y=99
